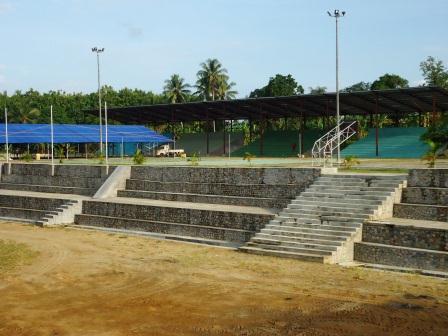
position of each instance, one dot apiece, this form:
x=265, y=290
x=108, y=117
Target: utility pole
x=98, y=51
x=337, y=14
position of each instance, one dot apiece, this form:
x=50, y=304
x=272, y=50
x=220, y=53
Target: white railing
x=325, y=147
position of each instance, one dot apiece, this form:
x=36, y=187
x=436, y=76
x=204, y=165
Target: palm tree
x=176, y=89
x=225, y=89
x=26, y=116
x=209, y=78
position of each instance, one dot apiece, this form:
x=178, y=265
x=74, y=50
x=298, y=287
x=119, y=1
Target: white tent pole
x=52, y=140
x=107, y=139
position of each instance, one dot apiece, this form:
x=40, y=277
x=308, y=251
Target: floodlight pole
x=107, y=139
x=337, y=14
x=52, y=140
x=98, y=51
x=8, y=164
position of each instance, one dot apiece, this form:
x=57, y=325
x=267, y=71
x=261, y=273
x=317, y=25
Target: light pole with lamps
x=98, y=51
x=337, y=14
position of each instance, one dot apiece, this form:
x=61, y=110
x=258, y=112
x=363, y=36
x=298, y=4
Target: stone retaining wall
x=270, y=176
x=425, y=195
x=235, y=220
x=437, y=178
x=406, y=235
x=421, y=212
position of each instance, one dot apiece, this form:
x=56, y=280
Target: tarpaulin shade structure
x=66, y=133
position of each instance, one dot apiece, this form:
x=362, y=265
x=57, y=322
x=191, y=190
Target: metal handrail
x=323, y=148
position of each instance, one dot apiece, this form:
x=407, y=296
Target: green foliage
x=361, y=86
x=176, y=90
x=101, y=158
x=194, y=159
x=437, y=133
x=431, y=156
x=248, y=157
x=60, y=152
x=434, y=72
x=213, y=82
x=138, y=157
x=27, y=157
x=350, y=161
x=318, y=90
x=278, y=86
x=389, y=81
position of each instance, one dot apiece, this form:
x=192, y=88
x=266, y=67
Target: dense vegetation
x=213, y=83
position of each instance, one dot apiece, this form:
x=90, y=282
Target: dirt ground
x=94, y=283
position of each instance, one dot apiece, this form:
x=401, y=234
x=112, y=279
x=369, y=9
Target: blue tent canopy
x=66, y=133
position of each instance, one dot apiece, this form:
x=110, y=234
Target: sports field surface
x=64, y=281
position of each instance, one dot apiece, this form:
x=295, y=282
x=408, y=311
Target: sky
x=46, y=44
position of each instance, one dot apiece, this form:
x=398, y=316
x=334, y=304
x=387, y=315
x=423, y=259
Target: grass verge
x=14, y=254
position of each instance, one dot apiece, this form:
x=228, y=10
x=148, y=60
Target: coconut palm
x=225, y=89
x=210, y=77
x=176, y=89
x=26, y=116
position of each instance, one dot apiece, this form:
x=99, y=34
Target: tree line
x=213, y=83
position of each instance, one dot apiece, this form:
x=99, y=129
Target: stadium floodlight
x=337, y=14
x=98, y=51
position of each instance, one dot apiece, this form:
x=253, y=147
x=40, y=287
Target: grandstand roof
x=396, y=101
x=66, y=133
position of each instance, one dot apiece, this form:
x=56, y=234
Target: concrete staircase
x=38, y=208
x=325, y=220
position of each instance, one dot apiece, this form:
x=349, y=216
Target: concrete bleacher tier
x=416, y=236
x=393, y=143
x=197, y=142
x=280, y=144
x=209, y=205
x=67, y=179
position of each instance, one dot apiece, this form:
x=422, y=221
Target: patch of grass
x=14, y=254
x=376, y=170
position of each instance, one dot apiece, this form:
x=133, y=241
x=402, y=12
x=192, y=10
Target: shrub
x=350, y=161
x=248, y=157
x=194, y=159
x=138, y=157
x=431, y=155
x=27, y=157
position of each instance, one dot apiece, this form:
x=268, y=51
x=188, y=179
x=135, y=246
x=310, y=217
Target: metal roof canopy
x=394, y=102
x=68, y=133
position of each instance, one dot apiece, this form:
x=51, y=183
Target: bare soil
x=94, y=283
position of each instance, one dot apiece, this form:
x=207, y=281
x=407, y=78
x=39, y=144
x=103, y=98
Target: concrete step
x=365, y=177
x=401, y=256
x=289, y=233
x=264, y=202
x=356, y=206
x=319, y=213
x=302, y=230
x=337, y=201
x=291, y=244
x=348, y=228
x=180, y=229
x=297, y=239
x=338, y=195
x=283, y=254
x=349, y=190
x=283, y=248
